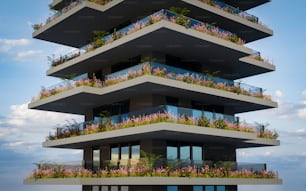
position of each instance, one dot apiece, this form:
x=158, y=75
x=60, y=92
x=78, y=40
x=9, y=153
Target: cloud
x=302, y=113
x=279, y=93
x=24, y=130
x=304, y=93
x=27, y=53
x=8, y=44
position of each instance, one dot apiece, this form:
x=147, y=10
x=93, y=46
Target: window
x=124, y=188
x=95, y=188
x=220, y=188
x=172, y=188
x=104, y=188
x=114, y=188
x=185, y=152
x=135, y=152
x=172, y=153
x=115, y=153
x=96, y=159
x=125, y=153
x=197, y=188
x=197, y=153
x=209, y=188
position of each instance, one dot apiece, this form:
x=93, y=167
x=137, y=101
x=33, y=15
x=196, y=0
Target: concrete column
x=88, y=158
x=105, y=155
x=89, y=115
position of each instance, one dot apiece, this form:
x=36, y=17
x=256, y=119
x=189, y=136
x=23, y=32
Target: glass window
x=104, y=188
x=220, y=188
x=171, y=153
x=124, y=188
x=172, y=188
x=135, y=152
x=115, y=153
x=125, y=152
x=96, y=159
x=209, y=188
x=114, y=188
x=95, y=188
x=197, y=153
x=185, y=152
x=197, y=188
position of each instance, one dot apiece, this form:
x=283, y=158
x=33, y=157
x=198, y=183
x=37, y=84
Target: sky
x=23, y=63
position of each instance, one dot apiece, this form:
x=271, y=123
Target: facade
x=158, y=85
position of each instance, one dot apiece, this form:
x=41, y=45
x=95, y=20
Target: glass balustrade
x=160, y=70
x=156, y=17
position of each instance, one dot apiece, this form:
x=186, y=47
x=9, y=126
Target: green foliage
x=203, y=121
x=179, y=10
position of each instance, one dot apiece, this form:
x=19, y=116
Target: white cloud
x=27, y=53
x=8, y=44
x=302, y=113
x=268, y=153
x=304, y=93
x=279, y=93
x=300, y=131
x=25, y=129
x=15, y=144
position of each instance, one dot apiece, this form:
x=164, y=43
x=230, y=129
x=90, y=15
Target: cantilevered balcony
x=200, y=173
x=162, y=122
x=246, y=4
x=148, y=79
x=74, y=24
x=199, y=42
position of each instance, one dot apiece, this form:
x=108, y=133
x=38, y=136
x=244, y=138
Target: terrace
x=67, y=20
x=159, y=70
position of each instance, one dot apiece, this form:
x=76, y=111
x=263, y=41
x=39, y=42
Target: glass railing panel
x=156, y=17
x=253, y=167
x=234, y=10
x=67, y=83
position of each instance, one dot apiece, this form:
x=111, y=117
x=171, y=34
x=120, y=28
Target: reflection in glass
x=185, y=152
x=96, y=159
x=172, y=153
x=197, y=153
x=220, y=188
x=197, y=188
x=125, y=152
x=135, y=152
x=209, y=188
x=114, y=188
x=95, y=188
x=172, y=188
x=115, y=154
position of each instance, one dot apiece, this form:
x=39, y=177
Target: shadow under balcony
x=74, y=24
x=82, y=95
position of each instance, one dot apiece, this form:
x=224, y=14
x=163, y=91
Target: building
x=158, y=85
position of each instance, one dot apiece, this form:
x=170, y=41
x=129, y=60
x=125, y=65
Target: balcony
x=201, y=173
x=147, y=21
x=77, y=96
x=245, y=5
x=162, y=122
x=159, y=114
x=73, y=24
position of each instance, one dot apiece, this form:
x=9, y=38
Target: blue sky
x=23, y=62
